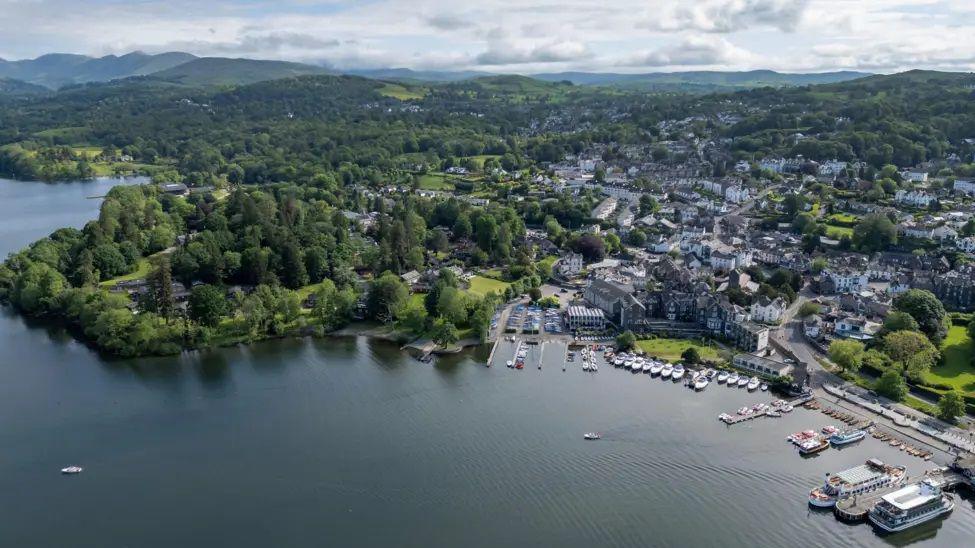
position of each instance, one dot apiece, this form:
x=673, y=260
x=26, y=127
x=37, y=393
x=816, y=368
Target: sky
x=526, y=36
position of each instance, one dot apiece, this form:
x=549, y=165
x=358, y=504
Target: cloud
x=505, y=50
x=692, y=51
x=895, y=55
x=726, y=16
x=448, y=22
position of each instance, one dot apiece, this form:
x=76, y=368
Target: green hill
x=61, y=69
x=11, y=87
x=219, y=71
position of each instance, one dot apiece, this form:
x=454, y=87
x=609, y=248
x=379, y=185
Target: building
x=584, y=317
x=571, y=265
x=176, y=189
x=846, y=281
x=761, y=365
x=616, y=302
x=915, y=176
x=966, y=186
x=766, y=310
x=916, y=198
x=855, y=327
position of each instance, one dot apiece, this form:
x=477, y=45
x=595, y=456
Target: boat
x=647, y=367
x=813, y=445
x=510, y=363
x=910, y=506
x=667, y=371
x=733, y=379
x=753, y=384
x=72, y=470
x=858, y=480
x=678, y=372
x=592, y=436
x=593, y=367
x=656, y=368
x=847, y=436
x=742, y=382
x=763, y=387
x=585, y=366
x=628, y=364
x=722, y=376
x=701, y=383
x=773, y=414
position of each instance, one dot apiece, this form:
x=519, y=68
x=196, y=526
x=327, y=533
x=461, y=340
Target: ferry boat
x=847, y=436
x=678, y=372
x=656, y=368
x=814, y=445
x=722, y=376
x=72, y=470
x=909, y=506
x=667, y=371
x=753, y=384
x=867, y=477
x=733, y=379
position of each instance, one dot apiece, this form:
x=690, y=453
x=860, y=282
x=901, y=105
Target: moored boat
x=858, y=480
x=701, y=383
x=814, y=445
x=763, y=387
x=733, y=379
x=742, y=382
x=847, y=436
x=722, y=377
x=656, y=368
x=666, y=371
x=678, y=372
x=753, y=384
x=910, y=506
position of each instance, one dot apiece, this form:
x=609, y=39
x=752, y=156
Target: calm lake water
x=348, y=442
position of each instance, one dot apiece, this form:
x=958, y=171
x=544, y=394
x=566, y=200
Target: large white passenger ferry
x=912, y=505
x=859, y=479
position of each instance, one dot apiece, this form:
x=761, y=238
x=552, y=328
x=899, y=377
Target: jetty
x=775, y=408
x=856, y=508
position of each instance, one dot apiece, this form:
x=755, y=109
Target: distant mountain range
x=57, y=70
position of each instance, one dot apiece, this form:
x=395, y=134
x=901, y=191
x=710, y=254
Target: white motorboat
x=733, y=379
x=678, y=372
x=742, y=382
x=628, y=363
x=753, y=384
x=763, y=387
x=585, y=366
x=72, y=470
x=592, y=436
x=666, y=371
x=594, y=367
x=510, y=363
x=701, y=383
x=656, y=368
x=722, y=376
x=647, y=366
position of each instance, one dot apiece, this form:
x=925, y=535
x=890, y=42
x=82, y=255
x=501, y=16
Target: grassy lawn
x=837, y=232
x=401, y=92
x=141, y=271
x=957, y=369
x=671, y=349
x=435, y=181
x=482, y=286
x=842, y=219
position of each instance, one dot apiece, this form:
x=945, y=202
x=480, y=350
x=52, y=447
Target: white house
x=964, y=185
x=847, y=281
x=766, y=310
x=915, y=176
x=736, y=194
x=571, y=264
x=916, y=198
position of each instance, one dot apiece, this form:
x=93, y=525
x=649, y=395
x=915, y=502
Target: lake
x=348, y=441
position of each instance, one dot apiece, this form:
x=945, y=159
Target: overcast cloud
x=513, y=36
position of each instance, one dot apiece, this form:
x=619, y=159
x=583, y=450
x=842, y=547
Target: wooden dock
x=734, y=418
x=856, y=508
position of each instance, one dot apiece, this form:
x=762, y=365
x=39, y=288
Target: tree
x=160, y=282
x=847, y=354
x=691, y=355
x=899, y=321
x=951, y=405
x=207, y=305
x=891, y=385
x=809, y=308
x=625, y=341
x=386, y=294
x=444, y=333
x=412, y=316
x=818, y=265
x=333, y=307
x=926, y=310
x=912, y=350
x=534, y=294
x=874, y=233
x=971, y=329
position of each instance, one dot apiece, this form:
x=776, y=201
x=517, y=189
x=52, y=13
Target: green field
x=140, y=272
x=837, y=232
x=671, y=349
x=401, y=92
x=435, y=181
x=957, y=370
x=842, y=219
x=482, y=286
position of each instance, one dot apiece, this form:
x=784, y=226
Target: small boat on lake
x=592, y=436
x=847, y=436
x=656, y=368
x=753, y=384
x=667, y=371
x=701, y=383
x=722, y=377
x=678, y=372
x=742, y=382
x=72, y=470
x=733, y=379
x=763, y=387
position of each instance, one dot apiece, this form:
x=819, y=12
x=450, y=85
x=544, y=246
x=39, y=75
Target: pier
x=734, y=418
x=857, y=508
